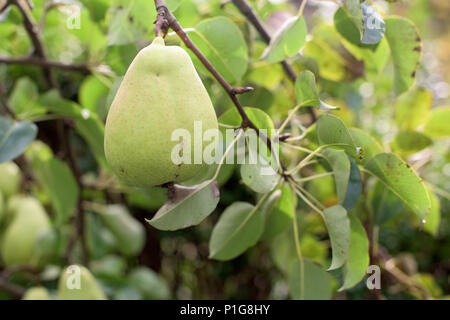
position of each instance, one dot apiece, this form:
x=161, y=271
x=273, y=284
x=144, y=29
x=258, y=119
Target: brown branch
x=166, y=17
x=245, y=8
x=46, y=63
x=13, y=289
x=35, y=37
x=5, y=102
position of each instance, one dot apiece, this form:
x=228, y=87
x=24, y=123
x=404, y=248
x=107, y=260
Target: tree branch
x=245, y=8
x=5, y=102
x=36, y=40
x=46, y=63
x=166, y=19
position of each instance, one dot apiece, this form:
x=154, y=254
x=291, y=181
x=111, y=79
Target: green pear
x=129, y=233
x=29, y=221
x=10, y=177
x=36, y=293
x=151, y=285
x=161, y=92
x=77, y=283
x=2, y=207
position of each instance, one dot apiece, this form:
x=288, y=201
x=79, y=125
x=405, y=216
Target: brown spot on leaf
x=131, y=19
x=413, y=75
x=418, y=49
x=418, y=39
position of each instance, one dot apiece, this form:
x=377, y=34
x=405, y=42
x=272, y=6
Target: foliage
x=360, y=113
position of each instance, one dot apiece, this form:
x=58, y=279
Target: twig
x=33, y=33
x=245, y=8
x=166, y=19
x=13, y=289
x=46, y=63
x=5, y=102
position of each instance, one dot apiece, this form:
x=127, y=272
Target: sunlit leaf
x=287, y=41
x=406, y=51
x=437, y=124
x=221, y=41
x=412, y=108
x=402, y=181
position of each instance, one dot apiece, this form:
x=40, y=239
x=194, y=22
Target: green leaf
x=60, y=185
x=52, y=101
x=239, y=227
x=149, y=283
x=15, y=138
x=340, y=164
x=354, y=11
x=331, y=130
x=308, y=281
x=278, y=212
x=128, y=232
x=121, y=31
x=93, y=131
x=402, y=181
x=91, y=91
x=221, y=41
x=358, y=254
x=406, y=51
x=434, y=218
x=437, y=124
x=257, y=172
x=187, y=206
x=324, y=48
x=128, y=21
x=305, y=89
x=287, y=41
x=338, y=225
x=412, y=108
x=369, y=145
x=259, y=118
x=410, y=142
x=384, y=203
x=354, y=187
x=23, y=99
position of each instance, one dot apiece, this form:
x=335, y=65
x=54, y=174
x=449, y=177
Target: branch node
x=241, y=90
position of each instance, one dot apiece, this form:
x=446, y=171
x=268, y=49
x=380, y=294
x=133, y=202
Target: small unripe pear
x=2, y=207
x=36, y=293
x=29, y=221
x=149, y=283
x=128, y=232
x=77, y=283
x=10, y=177
x=161, y=92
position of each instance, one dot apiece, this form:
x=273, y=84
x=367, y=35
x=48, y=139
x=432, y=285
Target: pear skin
x=10, y=177
x=36, y=293
x=29, y=221
x=77, y=283
x=128, y=232
x=161, y=92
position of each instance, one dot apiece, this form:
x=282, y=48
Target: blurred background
x=61, y=63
